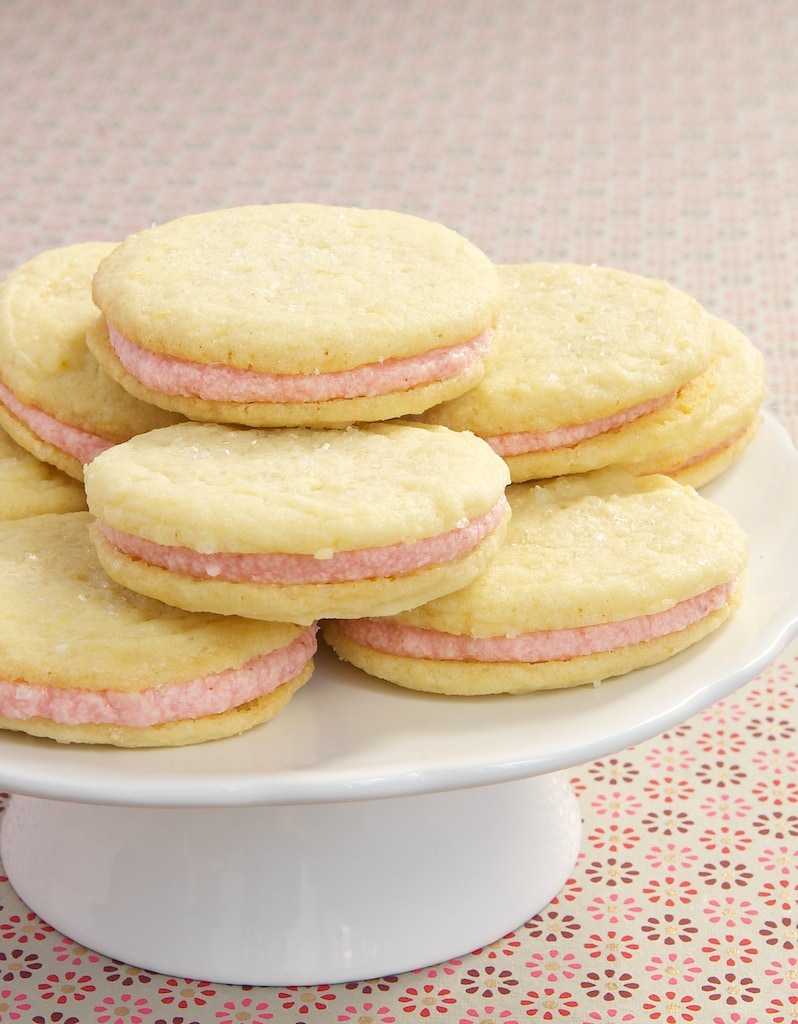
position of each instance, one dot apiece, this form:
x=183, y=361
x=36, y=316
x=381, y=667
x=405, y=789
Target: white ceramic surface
x=279, y=895
x=348, y=737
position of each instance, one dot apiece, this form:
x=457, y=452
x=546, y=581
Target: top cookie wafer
x=295, y=314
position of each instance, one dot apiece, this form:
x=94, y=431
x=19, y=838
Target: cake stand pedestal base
x=297, y=894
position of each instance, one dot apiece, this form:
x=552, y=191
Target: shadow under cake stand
x=368, y=830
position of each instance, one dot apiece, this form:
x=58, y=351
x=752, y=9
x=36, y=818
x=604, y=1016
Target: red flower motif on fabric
x=776, y=792
x=670, y=758
x=552, y=927
x=304, y=1000
x=611, y=872
x=552, y=965
x=670, y=1008
x=123, y=1009
x=244, y=1011
x=549, y=1003
x=19, y=963
x=489, y=982
x=780, y=972
x=186, y=993
x=616, y=804
x=783, y=859
x=13, y=1005
x=719, y=775
x=724, y=840
x=668, y=822
x=725, y=807
x=779, y=894
x=613, y=837
x=611, y=947
x=613, y=771
x=67, y=988
x=782, y=933
x=609, y=984
x=669, y=929
x=725, y=874
x=24, y=929
x=730, y=988
x=426, y=1000
x=729, y=950
x=671, y=856
x=673, y=968
x=730, y=912
x=668, y=790
x=669, y=892
x=783, y=1011
x=614, y=907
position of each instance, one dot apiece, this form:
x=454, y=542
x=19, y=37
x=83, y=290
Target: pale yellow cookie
x=30, y=487
x=55, y=400
x=295, y=314
x=599, y=574
x=714, y=417
x=294, y=524
x=583, y=355
x=85, y=660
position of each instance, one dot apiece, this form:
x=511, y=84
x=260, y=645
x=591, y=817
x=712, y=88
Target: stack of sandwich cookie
x=85, y=660
x=55, y=400
x=295, y=315
x=600, y=574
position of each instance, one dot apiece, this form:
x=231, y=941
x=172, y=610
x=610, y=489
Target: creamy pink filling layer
x=216, y=382
x=80, y=444
x=716, y=450
x=194, y=698
x=341, y=567
x=547, y=645
x=562, y=437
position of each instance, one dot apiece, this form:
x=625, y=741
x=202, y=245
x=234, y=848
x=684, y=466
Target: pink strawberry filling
x=547, y=645
x=216, y=382
x=79, y=444
x=563, y=437
x=716, y=450
x=341, y=567
x=195, y=698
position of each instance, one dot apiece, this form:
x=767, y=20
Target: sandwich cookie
x=600, y=574
x=30, y=487
x=55, y=401
x=291, y=524
x=83, y=660
x=584, y=356
x=713, y=419
x=295, y=315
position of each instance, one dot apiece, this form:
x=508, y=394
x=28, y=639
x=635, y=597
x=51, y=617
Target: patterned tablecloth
x=660, y=138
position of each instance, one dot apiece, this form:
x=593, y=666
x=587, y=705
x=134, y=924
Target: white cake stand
x=367, y=830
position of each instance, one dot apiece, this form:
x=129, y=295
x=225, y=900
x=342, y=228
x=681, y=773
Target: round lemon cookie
x=295, y=314
x=296, y=523
x=84, y=660
x=600, y=574
x=30, y=487
x=584, y=356
x=714, y=417
x=55, y=400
